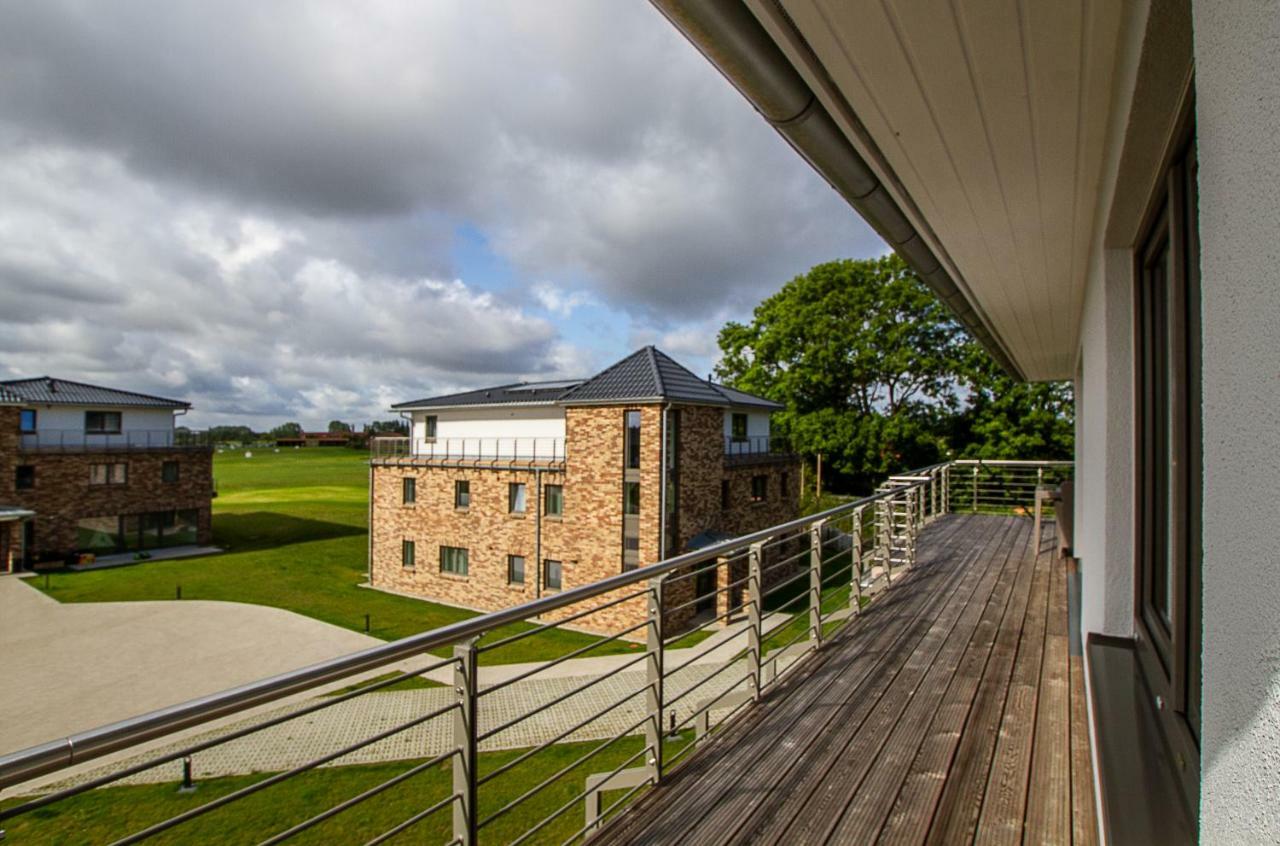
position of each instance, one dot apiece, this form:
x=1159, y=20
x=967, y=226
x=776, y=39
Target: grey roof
x=517, y=393
x=647, y=375
x=7, y=397
x=46, y=390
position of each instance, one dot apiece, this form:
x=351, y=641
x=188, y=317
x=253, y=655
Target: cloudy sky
x=307, y=210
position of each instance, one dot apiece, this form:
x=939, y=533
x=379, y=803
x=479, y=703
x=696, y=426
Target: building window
x=24, y=477
x=632, y=440
x=515, y=569
x=453, y=559
x=407, y=554
x=102, y=422
x=169, y=472
x=552, y=574
x=462, y=494
x=759, y=488
x=27, y=421
x=517, y=497
x=116, y=473
x=430, y=427
x=630, y=497
x=738, y=426
x=725, y=502
x=408, y=490
x=783, y=485
x=555, y=501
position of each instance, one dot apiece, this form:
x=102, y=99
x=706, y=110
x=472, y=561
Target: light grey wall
x=1237, y=54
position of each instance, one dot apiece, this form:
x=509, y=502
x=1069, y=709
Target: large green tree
x=876, y=375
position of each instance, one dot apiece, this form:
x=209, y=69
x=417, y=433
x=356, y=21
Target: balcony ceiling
x=989, y=119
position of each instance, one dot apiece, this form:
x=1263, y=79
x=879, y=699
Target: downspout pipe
x=734, y=41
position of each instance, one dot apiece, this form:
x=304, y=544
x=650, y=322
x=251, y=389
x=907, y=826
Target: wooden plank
x=1049, y=794
x=913, y=810
x=791, y=778
x=1004, y=802
x=1084, y=810
x=956, y=816
x=870, y=805
x=805, y=812
x=696, y=788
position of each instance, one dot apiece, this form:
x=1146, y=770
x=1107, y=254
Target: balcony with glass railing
x=129, y=440
x=499, y=452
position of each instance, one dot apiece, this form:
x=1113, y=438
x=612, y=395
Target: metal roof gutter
x=734, y=41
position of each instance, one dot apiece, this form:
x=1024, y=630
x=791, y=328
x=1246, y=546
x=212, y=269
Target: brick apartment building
x=85, y=468
x=503, y=494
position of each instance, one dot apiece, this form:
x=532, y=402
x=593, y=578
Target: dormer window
x=102, y=422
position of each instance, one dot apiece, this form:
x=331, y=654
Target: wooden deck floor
x=951, y=712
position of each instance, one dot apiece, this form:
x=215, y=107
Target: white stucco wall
x=509, y=431
x=65, y=423
x=757, y=424
x=1237, y=54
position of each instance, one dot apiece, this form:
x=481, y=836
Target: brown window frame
x=1167, y=473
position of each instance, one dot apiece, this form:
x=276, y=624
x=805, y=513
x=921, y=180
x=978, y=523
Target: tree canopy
x=878, y=376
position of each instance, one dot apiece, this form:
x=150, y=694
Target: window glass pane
x=552, y=574
x=739, y=427
x=630, y=497
x=130, y=527
x=410, y=491
x=169, y=472
x=152, y=524
x=515, y=569
x=453, y=559
x=407, y=553
x=633, y=439
x=186, y=526
x=119, y=473
x=461, y=494
x=759, y=488
x=24, y=477
x=431, y=426
x=516, y=495
x=98, y=534
x=98, y=474
x=28, y=420
x=724, y=493
x=106, y=422
x=555, y=500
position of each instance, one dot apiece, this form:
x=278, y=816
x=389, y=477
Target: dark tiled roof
x=647, y=375
x=518, y=393
x=7, y=397
x=46, y=390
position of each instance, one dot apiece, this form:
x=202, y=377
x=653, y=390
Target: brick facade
x=587, y=539
x=62, y=494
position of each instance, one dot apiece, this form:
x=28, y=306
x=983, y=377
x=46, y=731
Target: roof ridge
x=657, y=374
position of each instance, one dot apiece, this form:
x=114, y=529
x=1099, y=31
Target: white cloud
x=558, y=301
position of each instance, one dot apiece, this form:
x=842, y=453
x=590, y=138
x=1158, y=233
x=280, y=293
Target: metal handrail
x=83, y=746
x=881, y=534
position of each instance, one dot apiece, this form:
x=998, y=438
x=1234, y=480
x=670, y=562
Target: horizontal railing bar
x=680, y=577
x=766, y=648
x=785, y=583
x=666, y=674
x=529, y=753
x=360, y=797
x=702, y=597
x=713, y=674
x=595, y=644
x=414, y=820
x=515, y=721
x=327, y=702
x=605, y=812
x=804, y=553
x=1010, y=462
x=595, y=609
x=555, y=776
x=257, y=786
x=707, y=706
x=666, y=644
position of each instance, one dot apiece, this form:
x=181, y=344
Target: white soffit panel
x=993, y=116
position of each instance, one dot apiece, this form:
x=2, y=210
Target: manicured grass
x=101, y=816
x=294, y=524
x=405, y=683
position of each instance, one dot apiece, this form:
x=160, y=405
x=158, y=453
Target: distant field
x=294, y=524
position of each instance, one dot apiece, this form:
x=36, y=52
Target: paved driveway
x=68, y=668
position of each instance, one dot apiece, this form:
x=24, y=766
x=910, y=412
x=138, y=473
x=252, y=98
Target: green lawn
x=294, y=524
x=102, y=815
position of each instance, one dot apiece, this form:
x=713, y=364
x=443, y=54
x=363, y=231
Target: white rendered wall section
x=1237, y=55
x=757, y=423
x=515, y=431
x=139, y=426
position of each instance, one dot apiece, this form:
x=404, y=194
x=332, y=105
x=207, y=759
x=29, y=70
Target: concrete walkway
x=66, y=668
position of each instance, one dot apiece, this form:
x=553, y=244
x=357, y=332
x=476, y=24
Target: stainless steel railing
x=532, y=451
x=78, y=440
x=510, y=751
x=755, y=448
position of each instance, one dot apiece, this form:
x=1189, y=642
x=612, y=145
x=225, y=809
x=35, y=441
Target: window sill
x=463, y=509
x=554, y=518
x=517, y=588
x=455, y=576
x=517, y=515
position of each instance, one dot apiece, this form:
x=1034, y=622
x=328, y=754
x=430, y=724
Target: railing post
x=755, y=617
x=975, y=489
x=464, y=740
x=933, y=490
x=855, y=589
x=815, y=584
x=653, y=695
x=946, y=489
